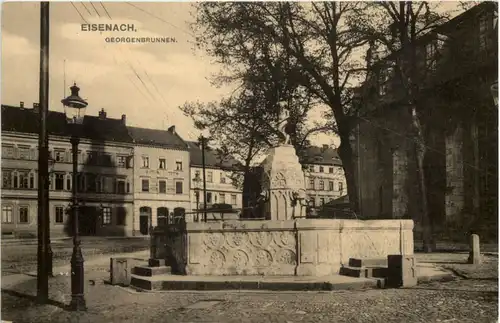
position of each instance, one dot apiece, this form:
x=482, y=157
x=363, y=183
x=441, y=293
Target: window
x=145, y=162
x=162, y=185
x=145, y=185
x=311, y=183
x=483, y=32
x=311, y=168
x=59, y=182
x=106, y=215
x=106, y=159
x=91, y=182
x=59, y=215
x=91, y=157
x=341, y=187
x=8, y=151
x=321, y=169
x=98, y=184
x=222, y=198
x=322, y=201
x=331, y=186
x=178, y=165
x=121, y=215
x=210, y=176
x=233, y=199
x=24, y=152
x=322, y=185
x=23, y=179
x=6, y=179
x=81, y=182
x=222, y=178
x=120, y=186
x=162, y=163
x=430, y=55
x=128, y=187
x=59, y=156
x=108, y=184
x=178, y=187
x=121, y=161
x=197, y=174
x=330, y=170
x=23, y=214
x=32, y=180
x=7, y=214
x=68, y=182
x=209, y=197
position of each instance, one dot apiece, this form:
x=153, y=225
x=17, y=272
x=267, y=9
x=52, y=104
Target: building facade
x=105, y=181
x=458, y=64
x=161, y=177
x=324, y=175
x=219, y=173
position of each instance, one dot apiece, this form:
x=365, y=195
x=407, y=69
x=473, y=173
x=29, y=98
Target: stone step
x=291, y=283
x=367, y=262
x=157, y=262
x=364, y=272
x=151, y=271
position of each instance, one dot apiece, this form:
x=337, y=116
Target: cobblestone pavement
x=473, y=299
x=22, y=258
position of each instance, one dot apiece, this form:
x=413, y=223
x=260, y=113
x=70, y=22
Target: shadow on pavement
x=33, y=298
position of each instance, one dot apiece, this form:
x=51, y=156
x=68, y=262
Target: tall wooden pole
x=203, y=144
x=43, y=161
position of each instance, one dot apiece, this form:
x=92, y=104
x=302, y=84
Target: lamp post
x=74, y=107
x=203, y=140
x=196, y=181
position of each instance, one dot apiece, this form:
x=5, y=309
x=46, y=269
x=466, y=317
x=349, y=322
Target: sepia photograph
x=249, y=161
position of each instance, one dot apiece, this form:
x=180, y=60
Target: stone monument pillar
x=283, y=180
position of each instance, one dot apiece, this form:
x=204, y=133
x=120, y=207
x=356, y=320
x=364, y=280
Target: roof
x=156, y=137
x=213, y=158
x=24, y=120
x=321, y=156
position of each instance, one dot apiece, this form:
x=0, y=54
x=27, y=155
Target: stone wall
x=302, y=247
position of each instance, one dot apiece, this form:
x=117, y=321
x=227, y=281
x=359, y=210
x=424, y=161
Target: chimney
x=172, y=129
x=124, y=119
x=36, y=107
x=102, y=115
x=21, y=104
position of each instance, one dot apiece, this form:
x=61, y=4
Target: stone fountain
x=285, y=243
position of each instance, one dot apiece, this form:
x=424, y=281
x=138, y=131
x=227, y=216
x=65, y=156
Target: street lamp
x=74, y=108
x=196, y=184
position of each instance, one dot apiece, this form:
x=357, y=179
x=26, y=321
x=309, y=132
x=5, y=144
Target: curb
x=28, y=242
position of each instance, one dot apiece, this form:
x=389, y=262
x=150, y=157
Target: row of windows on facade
x=322, y=201
x=24, y=179
x=59, y=214
x=97, y=158
x=209, y=177
x=433, y=52
x=312, y=168
x=164, y=186
x=212, y=198
x=162, y=163
x=331, y=185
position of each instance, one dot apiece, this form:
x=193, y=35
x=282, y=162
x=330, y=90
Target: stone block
x=121, y=270
x=401, y=271
x=368, y=262
x=475, y=251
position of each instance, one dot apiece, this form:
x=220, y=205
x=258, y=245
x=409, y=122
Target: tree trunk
x=346, y=155
x=420, y=150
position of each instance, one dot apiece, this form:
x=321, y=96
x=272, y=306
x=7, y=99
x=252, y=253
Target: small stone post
x=475, y=252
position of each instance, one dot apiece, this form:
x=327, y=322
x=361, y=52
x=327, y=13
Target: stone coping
x=299, y=224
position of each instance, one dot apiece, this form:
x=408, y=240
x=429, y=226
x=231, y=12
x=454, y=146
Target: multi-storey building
x=105, y=182
x=324, y=175
x=219, y=173
x=457, y=67
x=161, y=176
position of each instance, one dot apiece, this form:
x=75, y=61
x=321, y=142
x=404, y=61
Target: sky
x=146, y=82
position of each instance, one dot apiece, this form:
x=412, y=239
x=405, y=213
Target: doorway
x=144, y=216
